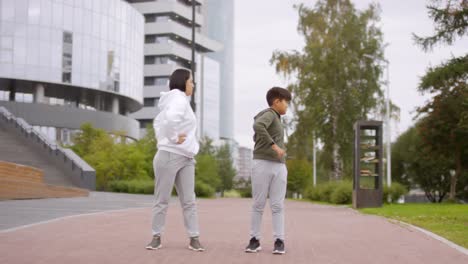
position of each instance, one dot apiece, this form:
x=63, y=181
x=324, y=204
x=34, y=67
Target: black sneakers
x=155, y=243
x=254, y=246
x=279, y=247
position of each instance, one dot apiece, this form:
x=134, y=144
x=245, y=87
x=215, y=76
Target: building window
x=157, y=39
x=140, y=1
x=163, y=18
x=65, y=136
x=145, y=122
x=150, y=38
x=150, y=102
x=161, y=81
x=149, y=80
x=162, y=60
x=113, y=75
x=67, y=58
x=4, y=95
x=24, y=97
x=150, y=18
x=162, y=40
x=66, y=77
x=149, y=60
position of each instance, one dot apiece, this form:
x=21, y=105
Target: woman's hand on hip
x=182, y=138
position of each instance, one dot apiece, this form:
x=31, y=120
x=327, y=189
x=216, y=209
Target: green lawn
x=447, y=220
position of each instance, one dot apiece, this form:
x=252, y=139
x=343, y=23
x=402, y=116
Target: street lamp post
x=314, y=160
x=389, y=138
x=192, y=103
x=387, y=117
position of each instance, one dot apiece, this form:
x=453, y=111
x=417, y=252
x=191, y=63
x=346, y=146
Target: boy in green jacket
x=269, y=173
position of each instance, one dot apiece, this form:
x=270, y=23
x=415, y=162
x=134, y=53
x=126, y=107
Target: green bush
x=245, y=192
x=312, y=193
x=118, y=186
x=331, y=192
x=232, y=194
x=132, y=186
x=204, y=190
x=115, y=159
x=395, y=191
x=243, y=187
x=325, y=191
x=343, y=193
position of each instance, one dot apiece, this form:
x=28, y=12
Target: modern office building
x=219, y=25
x=244, y=163
x=168, y=38
x=64, y=63
x=207, y=98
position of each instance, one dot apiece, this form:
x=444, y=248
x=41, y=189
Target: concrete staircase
x=13, y=149
x=21, y=144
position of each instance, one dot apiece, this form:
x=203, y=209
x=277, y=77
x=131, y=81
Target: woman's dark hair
x=277, y=93
x=178, y=79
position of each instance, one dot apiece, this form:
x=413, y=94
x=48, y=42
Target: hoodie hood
x=266, y=110
x=167, y=97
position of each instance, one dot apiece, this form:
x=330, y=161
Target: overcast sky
x=262, y=26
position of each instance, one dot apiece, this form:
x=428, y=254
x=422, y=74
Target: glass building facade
x=85, y=54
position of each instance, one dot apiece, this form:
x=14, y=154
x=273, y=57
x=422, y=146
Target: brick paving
x=314, y=234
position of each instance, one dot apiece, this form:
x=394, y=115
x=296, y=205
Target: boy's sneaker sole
x=195, y=249
x=277, y=252
x=248, y=250
x=153, y=248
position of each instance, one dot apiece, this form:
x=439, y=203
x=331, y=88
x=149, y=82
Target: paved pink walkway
x=315, y=234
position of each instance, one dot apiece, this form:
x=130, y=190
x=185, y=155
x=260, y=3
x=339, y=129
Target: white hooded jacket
x=176, y=117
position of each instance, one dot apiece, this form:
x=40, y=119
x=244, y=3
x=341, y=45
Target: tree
x=226, y=169
x=450, y=19
x=206, y=146
x=403, y=151
x=113, y=159
x=148, y=147
x=336, y=82
x=445, y=123
x=83, y=141
x=299, y=175
x=206, y=174
x=432, y=174
x=417, y=165
x=443, y=131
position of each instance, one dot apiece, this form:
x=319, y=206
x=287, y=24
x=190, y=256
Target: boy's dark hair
x=277, y=93
x=178, y=79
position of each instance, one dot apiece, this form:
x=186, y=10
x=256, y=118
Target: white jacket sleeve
x=175, y=115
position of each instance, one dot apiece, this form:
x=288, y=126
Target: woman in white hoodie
x=175, y=127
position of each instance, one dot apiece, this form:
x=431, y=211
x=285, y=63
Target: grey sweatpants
x=269, y=179
x=170, y=168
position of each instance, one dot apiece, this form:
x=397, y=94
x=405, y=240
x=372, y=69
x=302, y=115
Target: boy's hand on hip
x=278, y=151
x=182, y=138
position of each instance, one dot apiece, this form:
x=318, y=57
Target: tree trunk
x=454, y=177
x=337, y=168
x=441, y=197
x=429, y=196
